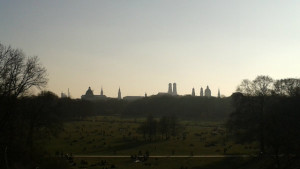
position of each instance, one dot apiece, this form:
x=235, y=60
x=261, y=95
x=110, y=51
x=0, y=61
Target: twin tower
x=172, y=91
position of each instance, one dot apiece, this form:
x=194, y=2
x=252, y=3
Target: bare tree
x=257, y=91
x=267, y=112
x=260, y=86
x=266, y=86
x=246, y=87
x=287, y=87
x=19, y=73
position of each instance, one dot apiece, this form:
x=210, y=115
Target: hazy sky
x=142, y=45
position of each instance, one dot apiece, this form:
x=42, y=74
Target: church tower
x=174, y=89
x=193, y=92
x=119, y=94
x=101, y=93
x=170, y=89
x=201, y=91
x=219, y=95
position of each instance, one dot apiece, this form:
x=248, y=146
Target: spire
x=201, y=91
x=119, y=94
x=193, y=92
x=68, y=93
x=101, y=93
x=219, y=95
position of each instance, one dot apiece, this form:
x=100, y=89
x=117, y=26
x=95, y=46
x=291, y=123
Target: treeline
x=267, y=111
x=184, y=107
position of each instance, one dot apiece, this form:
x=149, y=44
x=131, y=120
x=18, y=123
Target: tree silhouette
x=148, y=128
x=18, y=74
x=287, y=87
x=268, y=113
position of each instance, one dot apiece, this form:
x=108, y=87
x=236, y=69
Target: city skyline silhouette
x=143, y=45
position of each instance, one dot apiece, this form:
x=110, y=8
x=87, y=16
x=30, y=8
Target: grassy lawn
x=111, y=135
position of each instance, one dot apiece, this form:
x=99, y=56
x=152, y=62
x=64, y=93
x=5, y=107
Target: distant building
x=170, y=91
x=63, y=95
x=163, y=93
x=132, y=98
x=119, y=94
x=89, y=95
x=207, y=92
x=101, y=93
x=193, y=92
x=174, y=90
x=201, y=91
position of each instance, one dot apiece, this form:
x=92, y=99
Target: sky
x=141, y=45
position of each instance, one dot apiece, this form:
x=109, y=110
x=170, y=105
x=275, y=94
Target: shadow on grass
x=229, y=163
x=121, y=146
x=131, y=145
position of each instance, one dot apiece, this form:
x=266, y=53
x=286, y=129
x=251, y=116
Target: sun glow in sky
x=143, y=45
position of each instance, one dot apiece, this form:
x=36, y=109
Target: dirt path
x=162, y=156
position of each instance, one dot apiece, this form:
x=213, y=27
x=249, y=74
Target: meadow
x=116, y=136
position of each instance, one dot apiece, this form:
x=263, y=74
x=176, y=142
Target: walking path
x=163, y=156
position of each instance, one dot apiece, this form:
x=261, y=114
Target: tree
x=164, y=127
x=41, y=116
x=287, y=87
x=148, y=128
x=260, y=86
x=253, y=106
x=174, y=125
x=19, y=73
x=268, y=114
x=244, y=121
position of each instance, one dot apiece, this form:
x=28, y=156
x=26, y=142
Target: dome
x=207, y=91
x=89, y=92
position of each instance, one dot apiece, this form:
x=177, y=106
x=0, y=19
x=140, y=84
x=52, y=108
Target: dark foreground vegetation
x=44, y=131
x=268, y=111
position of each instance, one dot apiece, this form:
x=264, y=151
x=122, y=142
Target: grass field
x=111, y=135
